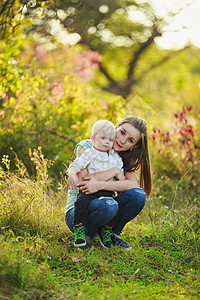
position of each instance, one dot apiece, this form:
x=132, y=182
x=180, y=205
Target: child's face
x=104, y=140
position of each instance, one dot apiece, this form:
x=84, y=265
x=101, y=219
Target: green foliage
x=21, y=197
x=160, y=87
x=47, y=97
x=128, y=26
x=53, y=108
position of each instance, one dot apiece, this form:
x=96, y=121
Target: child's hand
x=72, y=181
x=119, y=175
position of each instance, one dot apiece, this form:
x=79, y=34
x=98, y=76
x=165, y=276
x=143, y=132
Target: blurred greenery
x=50, y=95
x=114, y=28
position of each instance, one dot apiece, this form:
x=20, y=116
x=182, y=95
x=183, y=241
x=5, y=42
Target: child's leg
x=81, y=209
x=79, y=235
x=80, y=219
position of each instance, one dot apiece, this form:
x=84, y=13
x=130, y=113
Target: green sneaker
x=104, y=237
x=86, y=247
x=79, y=238
x=119, y=243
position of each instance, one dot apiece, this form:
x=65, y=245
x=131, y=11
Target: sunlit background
x=184, y=27
x=182, y=30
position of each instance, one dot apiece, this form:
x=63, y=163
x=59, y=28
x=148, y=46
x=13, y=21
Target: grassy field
x=39, y=261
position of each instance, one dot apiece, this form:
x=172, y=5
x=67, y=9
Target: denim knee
x=131, y=203
x=133, y=196
x=138, y=195
x=111, y=208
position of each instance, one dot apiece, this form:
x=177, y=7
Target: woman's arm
x=92, y=185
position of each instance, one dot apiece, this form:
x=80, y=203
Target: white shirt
x=96, y=161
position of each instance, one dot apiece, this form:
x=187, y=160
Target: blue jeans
x=101, y=211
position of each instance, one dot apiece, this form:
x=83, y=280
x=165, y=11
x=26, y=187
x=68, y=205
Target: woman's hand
x=119, y=175
x=90, y=185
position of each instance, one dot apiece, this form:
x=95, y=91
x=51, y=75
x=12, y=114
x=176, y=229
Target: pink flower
x=94, y=56
x=56, y=91
x=190, y=130
x=105, y=105
x=86, y=63
x=55, y=85
x=40, y=54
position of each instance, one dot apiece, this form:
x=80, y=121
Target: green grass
x=39, y=261
x=162, y=265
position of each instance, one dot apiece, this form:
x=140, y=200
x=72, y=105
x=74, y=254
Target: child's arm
x=77, y=166
x=80, y=150
x=72, y=179
x=107, y=175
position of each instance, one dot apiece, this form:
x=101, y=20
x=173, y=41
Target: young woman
x=132, y=145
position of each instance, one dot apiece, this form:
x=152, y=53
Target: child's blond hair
x=102, y=125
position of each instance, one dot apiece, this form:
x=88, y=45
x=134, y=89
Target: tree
x=128, y=26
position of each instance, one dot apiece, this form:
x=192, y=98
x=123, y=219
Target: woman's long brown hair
x=138, y=157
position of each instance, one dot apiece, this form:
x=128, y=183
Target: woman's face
x=126, y=137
